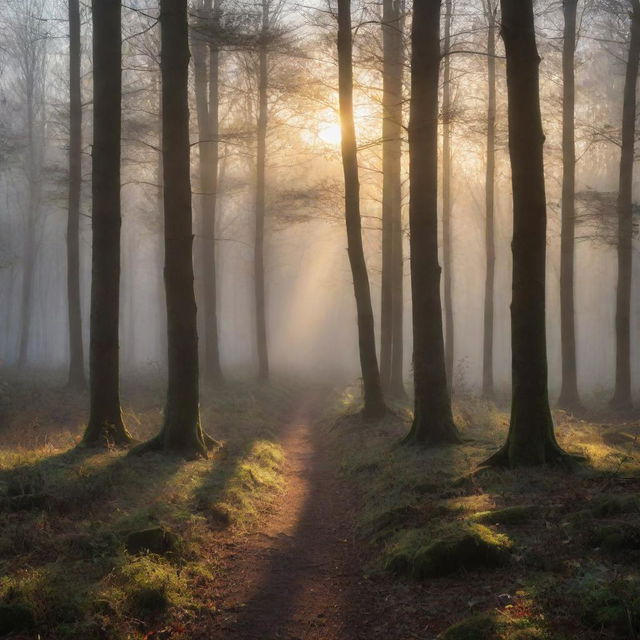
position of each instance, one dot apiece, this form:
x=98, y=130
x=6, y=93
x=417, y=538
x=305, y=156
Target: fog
x=311, y=324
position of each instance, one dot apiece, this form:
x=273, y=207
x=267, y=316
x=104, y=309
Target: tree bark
x=105, y=425
x=490, y=247
x=391, y=333
x=206, y=86
x=622, y=394
x=76, y=378
x=181, y=433
x=433, y=421
x=260, y=296
x=446, y=197
x=374, y=406
x=531, y=439
x=569, y=397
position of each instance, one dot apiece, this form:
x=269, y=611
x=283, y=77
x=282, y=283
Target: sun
x=330, y=133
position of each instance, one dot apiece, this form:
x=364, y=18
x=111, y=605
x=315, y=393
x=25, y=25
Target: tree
x=446, y=195
x=622, y=394
x=76, y=360
x=261, y=160
x=181, y=432
x=207, y=97
x=531, y=439
x=569, y=397
x=25, y=41
x=433, y=420
x=374, y=406
x=490, y=11
x=105, y=416
x=391, y=317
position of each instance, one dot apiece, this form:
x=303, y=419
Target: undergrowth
x=533, y=553
x=67, y=514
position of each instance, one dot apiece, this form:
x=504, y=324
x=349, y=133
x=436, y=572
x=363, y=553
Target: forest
x=319, y=320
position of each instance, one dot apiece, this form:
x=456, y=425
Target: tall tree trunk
x=33, y=196
x=433, y=421
x=622, y=395
x=489, y=229
x=206, y=84
x=446, y=196
x=531, y=439
x=76, y=360
x=105, y=417
x=181, y=433
x=569, y=398
x=260, y=302
x=374, y=406
x=391, y=334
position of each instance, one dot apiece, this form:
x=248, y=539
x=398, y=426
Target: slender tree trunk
x=76, y=360
x=622, y=395
x=260, y=301
x=28, y=260
x=391, y=334
x=569, y=398
x=181, y=433
x=433, y=421
x=490, y=247
x=374, y=406
x=206, y=84
x=531, y=439
x=105, y=417
x=446, y=196
x=29, y=255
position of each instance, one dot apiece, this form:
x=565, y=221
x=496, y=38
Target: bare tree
x=374, y=406
x=181, y=432
x=433, y=420
x=105, y=416
x=76, y=352
x=391, y=316
x=622, y=393
x=531, y=439
x=490, y=10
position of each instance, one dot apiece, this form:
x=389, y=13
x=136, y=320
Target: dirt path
x=297, y=576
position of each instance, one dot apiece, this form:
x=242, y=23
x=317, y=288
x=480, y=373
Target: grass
x=538, y=553
x=66, y=512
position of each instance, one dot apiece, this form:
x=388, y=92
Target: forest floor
x=311, y=525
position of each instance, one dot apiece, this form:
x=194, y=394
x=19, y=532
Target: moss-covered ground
x=101, y=545
x=487, y=554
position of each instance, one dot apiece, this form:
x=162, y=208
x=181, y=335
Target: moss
x=154, y=540
x=472, y=546
x=15, y=617
x=607, y=601
x=604, y=506
x=480, y=627
x=618, y=538
x=509, y=515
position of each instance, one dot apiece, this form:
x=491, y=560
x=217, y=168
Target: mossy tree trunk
x=433, y=421
x=531, y=439
x=181, y=433
x=76, y=379
x=374, y=406
x=105, y=417
x=569, y=397
x=622, y=394
x=391, y=316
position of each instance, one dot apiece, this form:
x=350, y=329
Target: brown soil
x=299, y=575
